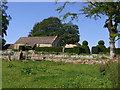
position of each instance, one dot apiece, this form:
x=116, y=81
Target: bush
x=84, y=43
x=101, y=48
x=28, y=48
x=49, y=49
x=101, y=42
x=117, y=50
x=22, y=48
x=95, y=50
x=85, y=49
x=76, y=50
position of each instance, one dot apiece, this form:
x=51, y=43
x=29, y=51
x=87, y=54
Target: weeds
x=27, y=71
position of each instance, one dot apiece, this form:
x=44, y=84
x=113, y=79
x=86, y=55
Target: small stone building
x=48, y=41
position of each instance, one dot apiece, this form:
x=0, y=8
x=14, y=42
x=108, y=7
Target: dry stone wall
x=38, y=57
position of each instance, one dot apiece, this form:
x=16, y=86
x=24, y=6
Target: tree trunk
x=112, y=48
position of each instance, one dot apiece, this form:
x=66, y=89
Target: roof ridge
x=38, y=36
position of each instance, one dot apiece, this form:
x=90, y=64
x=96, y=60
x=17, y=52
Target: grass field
x=48, y=74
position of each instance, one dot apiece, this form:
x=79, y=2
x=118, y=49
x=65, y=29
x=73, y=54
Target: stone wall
x=38, y=57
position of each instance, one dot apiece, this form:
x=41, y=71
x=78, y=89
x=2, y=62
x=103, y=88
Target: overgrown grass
x=48, y=74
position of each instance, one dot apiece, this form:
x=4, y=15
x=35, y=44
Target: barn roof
x=36, y=40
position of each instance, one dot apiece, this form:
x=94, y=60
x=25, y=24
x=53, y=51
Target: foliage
x=76, y=50
x=49, y=74
x=111, y=70
x=101, y=48
x=28, y=48
x=26, y=71
x=117, y=50
x=2, y=43
x=97, y=9
x=49, y=49
x=4, y=20
x=95, y=50
x=101, y=42
x=85, y=47
x=22, y=48
x=52, y=26
x=84, y=43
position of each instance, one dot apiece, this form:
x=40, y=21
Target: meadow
x=49, y=74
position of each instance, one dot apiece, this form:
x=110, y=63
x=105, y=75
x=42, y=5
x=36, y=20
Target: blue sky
x=26, y=14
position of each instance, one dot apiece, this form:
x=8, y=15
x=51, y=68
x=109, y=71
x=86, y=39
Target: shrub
x=22, y=48
x=101, y=48
x=94, y=50
x=117, y=50
x=84, y=43
x=85, y=49
x=73, y=50
x=28, y=48
x=101, y=42
x=49, y=49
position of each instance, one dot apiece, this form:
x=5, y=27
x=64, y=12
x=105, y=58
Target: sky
x=26, y=14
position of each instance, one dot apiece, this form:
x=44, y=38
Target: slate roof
x=36, y=40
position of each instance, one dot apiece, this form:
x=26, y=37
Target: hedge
x=28, y=48
x=117, y=50
x=84, y=43
x=101, y=42
x=85, y=49
x=49, y=49
x=76, y=50
x=95, y=50
x=22, y=48
x=101, y=48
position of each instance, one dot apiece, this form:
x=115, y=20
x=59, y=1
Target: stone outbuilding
x=48, y=41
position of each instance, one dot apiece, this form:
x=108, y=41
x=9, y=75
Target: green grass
x=48, y=74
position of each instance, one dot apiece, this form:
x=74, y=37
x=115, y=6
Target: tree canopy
x=68, y=33
x=4, y=22
x=95, y=10
x=4, y=19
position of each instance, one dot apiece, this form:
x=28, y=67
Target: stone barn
x=49, y=41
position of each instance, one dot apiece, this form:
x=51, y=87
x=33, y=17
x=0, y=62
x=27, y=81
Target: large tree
x=52, y=26
x=97, y=9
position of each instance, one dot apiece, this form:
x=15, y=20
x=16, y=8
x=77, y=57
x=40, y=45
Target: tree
x=2, y=43
x=97, y=9
x=52, y=26
x=4, y=22
x=5, y=18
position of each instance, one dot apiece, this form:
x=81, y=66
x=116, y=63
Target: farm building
x=48, y=41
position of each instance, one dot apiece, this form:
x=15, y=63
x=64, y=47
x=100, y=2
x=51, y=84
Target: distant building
x=9, y=46
x=49, y=41
x=71, y=45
